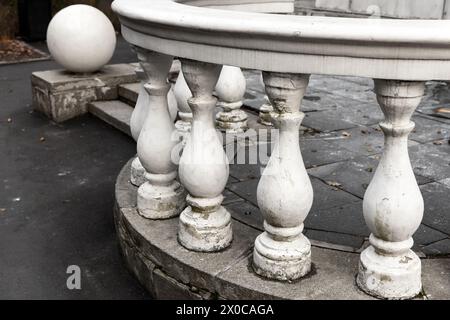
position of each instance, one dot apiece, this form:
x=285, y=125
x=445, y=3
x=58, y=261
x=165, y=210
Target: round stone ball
x=81, y=38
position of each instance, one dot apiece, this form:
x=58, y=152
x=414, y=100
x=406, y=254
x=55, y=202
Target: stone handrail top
x=376, y=48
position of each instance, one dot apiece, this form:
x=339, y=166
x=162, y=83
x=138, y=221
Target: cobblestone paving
x=341, y=146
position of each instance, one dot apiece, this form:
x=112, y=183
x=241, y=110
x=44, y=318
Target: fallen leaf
x=334, y=184
x=438, y=143
x=442, y=110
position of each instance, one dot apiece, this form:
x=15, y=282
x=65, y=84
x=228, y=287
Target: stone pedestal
x=62, y=95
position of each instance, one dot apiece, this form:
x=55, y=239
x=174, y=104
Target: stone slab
x=325, y=196
x=317, y=151
x=440, y=247
x=129, y=92
x=353, y=175
x=62, y=95
x=347, y=241
x=324, y=121
x=431, y=160
x=246, y=213
x=344, y=219
x=437, y=203
x=115, y=113
x=429, y=130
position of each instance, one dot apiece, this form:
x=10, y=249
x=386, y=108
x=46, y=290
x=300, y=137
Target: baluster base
x=282, y=260
x=264, y=114
x=231, y=119
x=389, y=277
x=137, y=173
x=159, y=201
x=204, y=226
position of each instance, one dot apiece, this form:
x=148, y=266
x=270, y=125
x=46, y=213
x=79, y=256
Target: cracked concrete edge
x=152, y=270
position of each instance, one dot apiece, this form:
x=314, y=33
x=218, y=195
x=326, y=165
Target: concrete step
x=115, y=113
x=129, y=92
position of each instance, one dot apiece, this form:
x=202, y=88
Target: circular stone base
x=205, y=233
x=152, y=253
x=388, y=277
x=282, y=260
x=160, y=202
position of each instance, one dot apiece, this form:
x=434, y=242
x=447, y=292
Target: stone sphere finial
x=81, y=38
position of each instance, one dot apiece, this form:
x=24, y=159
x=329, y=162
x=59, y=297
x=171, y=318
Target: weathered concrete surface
x=169, y=271
x=115, y=113
x=56, y=197
x=61, y=95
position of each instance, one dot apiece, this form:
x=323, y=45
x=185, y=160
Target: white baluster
x=138, y=117
x=182, y=94
x=285, y=194
x=161, y=196
x=205, y=225
x=393, y=204
x=140, y=113
x=230, y=90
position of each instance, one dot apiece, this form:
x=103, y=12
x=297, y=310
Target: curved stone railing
x=399, y=54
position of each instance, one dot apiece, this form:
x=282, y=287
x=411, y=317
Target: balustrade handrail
x=376, y=48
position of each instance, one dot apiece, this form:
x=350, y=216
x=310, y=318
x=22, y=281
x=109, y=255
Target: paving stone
x=437, y=204
x=347, y=112
x=323, y=121
x=230, y=197
x=428, y=130
x=247, y=213
x=250, y=161
x=327, y=197
x=324, y=196
x=351, y=241
x=430, y=160
x=426, y=235
x=437, y=94
x=353, y=175
x=336, y=83
x=441, y=247
x=445, y=182
x=246, y=190
x=344, y=87
x=361, y=140
x=345, y=219
x=317, y=151
x=436, y=278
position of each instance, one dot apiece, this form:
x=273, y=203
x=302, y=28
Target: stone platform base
x=169, y=271
x=62, y=95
